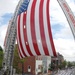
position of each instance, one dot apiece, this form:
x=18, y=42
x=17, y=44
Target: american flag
x=34, y=34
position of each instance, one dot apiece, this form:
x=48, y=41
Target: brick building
x=56, y=61
x=38, y=64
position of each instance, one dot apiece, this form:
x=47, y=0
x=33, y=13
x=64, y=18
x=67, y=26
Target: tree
x=1, y=57
x=1, y=48
x=50, y=67
x=17, y=61
x=64, y=63
x=69, y=64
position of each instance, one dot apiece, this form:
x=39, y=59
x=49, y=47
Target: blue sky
x=62, y=35
x=5, y=18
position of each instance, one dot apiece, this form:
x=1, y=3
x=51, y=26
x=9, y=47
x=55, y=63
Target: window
x=29, y=68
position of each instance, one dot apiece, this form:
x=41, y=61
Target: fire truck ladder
x=69, y=15
x=10, y=44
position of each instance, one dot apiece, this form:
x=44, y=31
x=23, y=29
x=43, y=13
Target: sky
x=62, y=35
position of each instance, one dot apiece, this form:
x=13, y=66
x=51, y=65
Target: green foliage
x=50, y=67
x=64, y=63
x=1, y=57
x=73, y=64
x=18, y=61
x=1, y=48
x=69, y=64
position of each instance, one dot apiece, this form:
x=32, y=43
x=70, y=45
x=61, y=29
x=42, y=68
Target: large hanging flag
x=34, y=34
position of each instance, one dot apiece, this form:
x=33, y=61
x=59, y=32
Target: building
x=46, y=62
x=56, y=61
x=38, y=64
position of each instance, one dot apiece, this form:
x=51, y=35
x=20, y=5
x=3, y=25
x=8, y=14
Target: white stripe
x=46, y=28
x=29, y=29
x=22, y=35
x=18, y=40
x=37, y=29
x=19, y=49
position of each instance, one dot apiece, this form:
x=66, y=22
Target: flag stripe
x=37, y=30
x=32, y=21
x=19, y=48
x=42, y=28
x=20, y=36
x=46, y=28
x=29, y=29
x=19, y=53
x=25, y=35
x=49, y=28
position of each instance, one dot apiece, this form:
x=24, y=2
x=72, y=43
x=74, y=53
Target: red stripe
x=49, y=29
x=18, y=45
x=25, y=35
x=20, y=35
x=19, y=52
x=42, y=28
x=32, y=22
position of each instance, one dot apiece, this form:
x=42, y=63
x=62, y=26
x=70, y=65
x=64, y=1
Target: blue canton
x=23, y=6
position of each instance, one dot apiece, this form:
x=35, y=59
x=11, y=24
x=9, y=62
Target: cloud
x=58, y=20
x=56, y=13
x=5, y=18
x=3, y=29
x=65, y=33
x=66, y=47
x=63, y=38
x=71, y=4
x=7, y=6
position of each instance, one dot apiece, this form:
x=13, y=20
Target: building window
x=29, y=68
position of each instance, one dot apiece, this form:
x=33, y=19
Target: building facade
x=36, y=65
x=56, y=61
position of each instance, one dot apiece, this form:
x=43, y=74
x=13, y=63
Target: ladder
x=10, y=44
x=69, y=15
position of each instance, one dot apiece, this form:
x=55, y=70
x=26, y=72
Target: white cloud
x=64, y=33
x=3, y=29
x=71, y=4
x=65, y=47
x=7, y=6
x=57, y=13
x=64, y=42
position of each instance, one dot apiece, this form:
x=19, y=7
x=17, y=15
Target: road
x=66, y=72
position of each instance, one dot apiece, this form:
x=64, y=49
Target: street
x=66, y=72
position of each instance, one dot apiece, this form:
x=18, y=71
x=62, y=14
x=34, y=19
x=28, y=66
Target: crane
x=11, y=35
